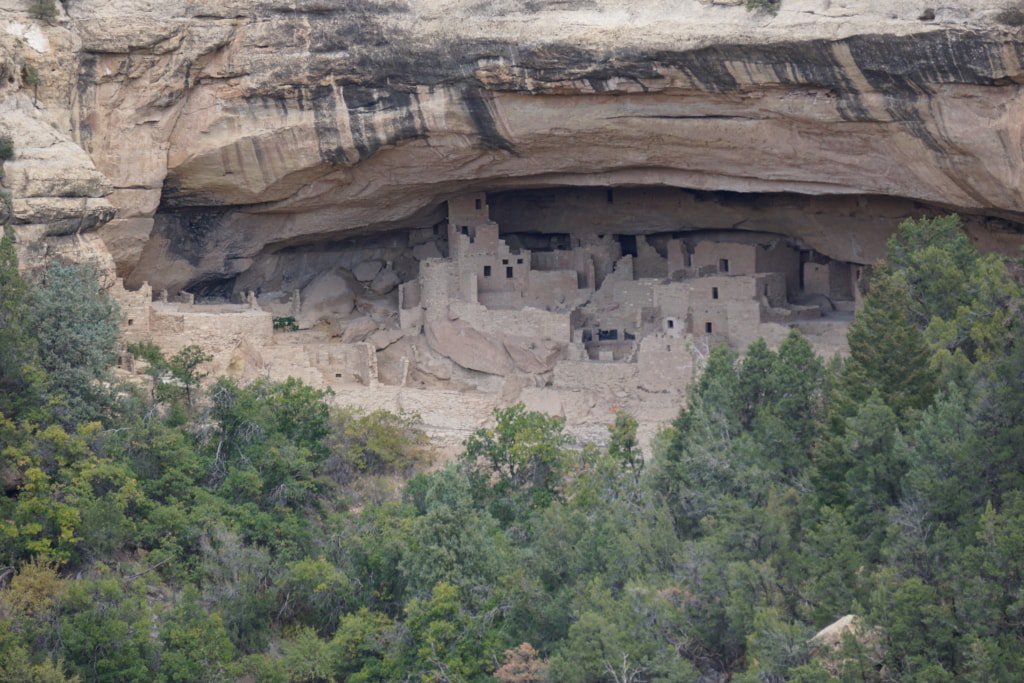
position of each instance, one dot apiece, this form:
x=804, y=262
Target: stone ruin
x=455, y=320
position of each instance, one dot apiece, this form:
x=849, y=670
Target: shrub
x=6, y=205
x=378, y=443
x=286, y=323
x=43, y=9
x=6, y=147
x=769, y=6
x=30, y=76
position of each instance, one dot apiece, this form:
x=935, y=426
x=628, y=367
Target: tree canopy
x=211, y=531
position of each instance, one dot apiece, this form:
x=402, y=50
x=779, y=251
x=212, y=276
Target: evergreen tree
x=76, y=324
x=18, y=379
x=888, y=353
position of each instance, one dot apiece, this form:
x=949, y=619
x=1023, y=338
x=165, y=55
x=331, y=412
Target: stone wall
x=528, y=322
x=741, y=258
x=175, y=326
x=665, y=363
x=596, y=376
x=778, y=258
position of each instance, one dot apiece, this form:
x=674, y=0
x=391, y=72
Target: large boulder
x=329, y=295
x=384, y=282
x=358, y=330
x=367, y=270
x=535, y=356
x=468, y=347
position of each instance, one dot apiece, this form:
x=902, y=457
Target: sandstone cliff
x=220, y=130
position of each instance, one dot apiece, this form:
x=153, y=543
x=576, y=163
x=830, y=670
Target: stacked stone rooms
x=453, y=320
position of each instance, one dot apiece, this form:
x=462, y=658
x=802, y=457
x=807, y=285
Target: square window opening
x=707, y=328
x=487, y=271
x=671, y=324
x=508, y=272
x=723, y=265
x=130, y=321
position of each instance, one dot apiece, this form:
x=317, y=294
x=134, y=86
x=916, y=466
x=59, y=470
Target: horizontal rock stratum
x=228, y=129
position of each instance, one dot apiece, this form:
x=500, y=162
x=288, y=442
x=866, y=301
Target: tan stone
x=533, y=355
x=358, y=330
x=329, y=295
x=367, y=270
x=466, y=346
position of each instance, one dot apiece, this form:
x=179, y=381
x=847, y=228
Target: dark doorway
x=628, y=244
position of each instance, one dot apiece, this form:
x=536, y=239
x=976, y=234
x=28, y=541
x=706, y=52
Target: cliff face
x=227, y=128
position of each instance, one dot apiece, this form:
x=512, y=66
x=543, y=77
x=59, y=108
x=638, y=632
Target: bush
x=286, y=323
x=30, y=76
x=769, y=6
x=377, y=443
x=6, y=147
x=43, y=9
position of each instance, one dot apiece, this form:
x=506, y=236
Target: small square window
x=504, y=261
x=519, y=260
x=707, y=327
x=130, y=321
x=508, y=272
x=465, y=229
x=723, y=265
x=714, y=292
x=487, y=271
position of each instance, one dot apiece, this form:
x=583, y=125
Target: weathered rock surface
x=358, y=330
x=468, y=347
x=53, y=182
x=534, y=356
x=231, y=129
x=328, y=296
x=367, y=270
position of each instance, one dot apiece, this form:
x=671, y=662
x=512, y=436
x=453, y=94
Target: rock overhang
x=258, y=125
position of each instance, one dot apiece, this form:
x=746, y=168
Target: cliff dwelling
x=572, y=309
x=570, y=218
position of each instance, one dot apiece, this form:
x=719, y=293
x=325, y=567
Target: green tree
x=888, y=353
x=184, y=367
x=195, y=645
x=957, y=296
x=19, y=381
x=623, y=446
x=611, y=642
x=104, y=631
x=76, y=324
x=526, y=451
x=360, y=645
x=447, y=642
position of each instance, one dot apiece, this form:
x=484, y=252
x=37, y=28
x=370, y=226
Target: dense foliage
x=226, y=532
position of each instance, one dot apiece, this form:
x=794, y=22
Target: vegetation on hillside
x=188, y=534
